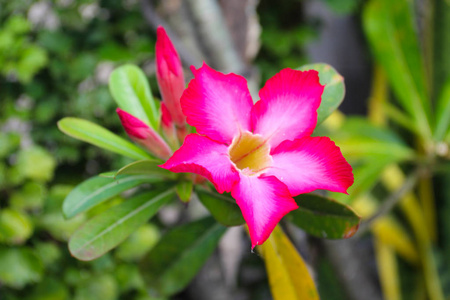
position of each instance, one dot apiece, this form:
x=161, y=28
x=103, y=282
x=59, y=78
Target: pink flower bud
x=144, y=135
x=169, y=74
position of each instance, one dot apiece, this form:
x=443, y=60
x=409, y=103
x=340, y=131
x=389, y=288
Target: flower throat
x=250, y=153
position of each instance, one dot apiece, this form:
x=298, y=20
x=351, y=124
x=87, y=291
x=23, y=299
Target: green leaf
x=334, y=91
x=102, y=286
x=110, y=228
x=98, y=189
x=443, y=113
x=324, y=217
x=358, y=138
x=36, y=163
x=130, y=88
x=19, y=267
x=441, y=44
x=184, y=190
x=101, y=137
x=343, y=7
x=145, y=167
x=138, y=243
x=179, y=255
x=15, y=227
x=389, y=26
x=224, y=209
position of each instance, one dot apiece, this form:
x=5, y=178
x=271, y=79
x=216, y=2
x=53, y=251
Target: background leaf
x=334, y=91
x=19, y=266
x=389, y=26
x=113, y=226
x=324, y=217
x=98, y=189
x=101, y=137
x=179, y=255
x=224, y=209
x=443, y=113
x=288, y=274
x=130, y=88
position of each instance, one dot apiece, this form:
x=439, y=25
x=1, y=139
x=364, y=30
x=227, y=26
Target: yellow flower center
x=250, y=153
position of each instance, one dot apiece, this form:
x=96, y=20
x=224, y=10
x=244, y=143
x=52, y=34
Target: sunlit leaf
x=110, y=228
x=324, y=217
x=334, y=91
x=389, y=27
x=130, y=88
x=179, y=255
x=224, y=209
x=358, y=138
x=101, y=137
x=288, y=274
x=443, y=113
x=15, y=226
x=98, y=189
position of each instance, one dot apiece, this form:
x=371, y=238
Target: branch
x=214, y=35
x=390, y=202
x=154, y=20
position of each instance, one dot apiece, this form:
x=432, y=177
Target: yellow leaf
x=288, y=274
x=388, y=271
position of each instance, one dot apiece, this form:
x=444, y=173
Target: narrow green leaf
x=110, y=228
x=184, y=190
x=324, y=217
x=179, y=255
x=98, y=189
x=130, y=88
x=358, y=138
x=440, y=38
x=101, y=137
x=145, y=167
x=334, y=91
x=224, y=209
x=389, y=26
x=443, y=113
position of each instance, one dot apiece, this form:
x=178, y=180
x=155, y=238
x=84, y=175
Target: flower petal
x=288, y=106
x=217, y=105
x=311, y=163
x=263, y=202
x=203, y=156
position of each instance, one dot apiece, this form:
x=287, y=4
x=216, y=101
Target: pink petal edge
x=263, y=202
x=288, y=106
x=311, y=163
x=203, y=156
x=217, y=105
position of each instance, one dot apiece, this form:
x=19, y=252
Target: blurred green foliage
x=48, y=71
x=56, y=63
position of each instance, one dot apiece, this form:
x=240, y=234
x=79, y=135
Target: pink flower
x=263, y=153
x=169, y=74
x=144, y=135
